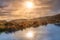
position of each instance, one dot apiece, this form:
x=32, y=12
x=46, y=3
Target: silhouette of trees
x=21, y=24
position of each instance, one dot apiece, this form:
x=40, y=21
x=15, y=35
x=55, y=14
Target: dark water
x=49, y=32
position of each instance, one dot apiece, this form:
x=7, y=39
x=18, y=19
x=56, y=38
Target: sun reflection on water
x=26, y=34
x=30, y=34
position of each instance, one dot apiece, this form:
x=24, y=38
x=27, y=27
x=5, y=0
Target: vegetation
x=20, y=24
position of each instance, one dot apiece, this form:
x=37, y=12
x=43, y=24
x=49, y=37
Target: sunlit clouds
x=26, y=9
x=29, y=5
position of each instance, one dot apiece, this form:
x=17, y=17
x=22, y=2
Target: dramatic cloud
x=14, y=9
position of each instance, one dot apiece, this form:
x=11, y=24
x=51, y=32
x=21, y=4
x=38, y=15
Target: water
x=49, y=32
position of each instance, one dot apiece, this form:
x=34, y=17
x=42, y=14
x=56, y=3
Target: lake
x=49, y=32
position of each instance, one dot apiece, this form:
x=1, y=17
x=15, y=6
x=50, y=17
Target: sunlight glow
x=30, y=34
x=29, y=4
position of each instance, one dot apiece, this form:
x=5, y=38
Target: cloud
x=14, y=9
x=56, y=6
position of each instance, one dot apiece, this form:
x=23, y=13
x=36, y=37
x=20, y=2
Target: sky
x=15, y=9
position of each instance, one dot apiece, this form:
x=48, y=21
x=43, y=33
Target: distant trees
x=21, y=24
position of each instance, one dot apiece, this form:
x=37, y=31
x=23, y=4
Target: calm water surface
x=49, y=32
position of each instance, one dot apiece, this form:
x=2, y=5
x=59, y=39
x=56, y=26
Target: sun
x=29, y=4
